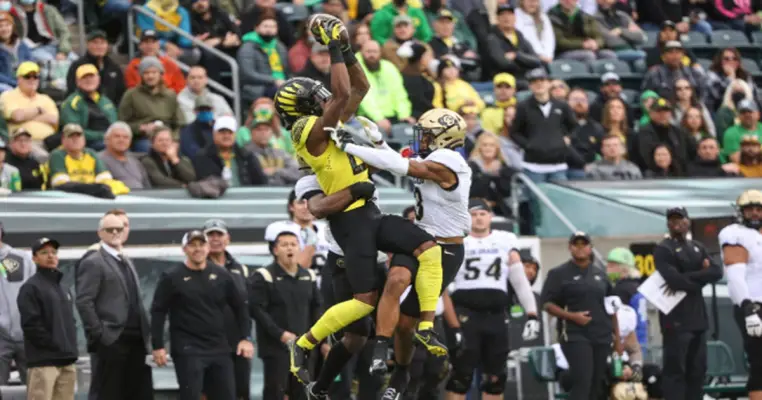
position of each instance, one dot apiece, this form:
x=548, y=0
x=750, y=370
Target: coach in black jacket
x=542, y=128
x=209, y=161
x=284, y=302
x=47, y=319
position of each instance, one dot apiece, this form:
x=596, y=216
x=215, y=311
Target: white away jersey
x=751, y=240
x=485, y=265
x=444, y=213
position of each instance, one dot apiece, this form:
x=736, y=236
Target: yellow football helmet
x=747, y=199
x=445, y=129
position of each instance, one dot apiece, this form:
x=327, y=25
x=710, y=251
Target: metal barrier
x=235, y=94
x=539, y=195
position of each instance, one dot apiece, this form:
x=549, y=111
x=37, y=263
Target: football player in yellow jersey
x=313, y=113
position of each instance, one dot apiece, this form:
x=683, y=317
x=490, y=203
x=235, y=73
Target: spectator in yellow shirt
x=456, y=91
x=750, y=163
x=75, y=163
x=505, y=92
x=24, y=107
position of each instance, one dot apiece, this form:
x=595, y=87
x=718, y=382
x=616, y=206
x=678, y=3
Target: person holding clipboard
x=685, y=266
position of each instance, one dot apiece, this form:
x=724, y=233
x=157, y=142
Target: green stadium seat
x=729, y=38
x=568, y=69
x=631, y=96
x=620, y=67
x=693, y=39
x=704, y=63
x=750, y=66
x=756, y=37
x=591, y=96
x=483, y=86
x=651, y=38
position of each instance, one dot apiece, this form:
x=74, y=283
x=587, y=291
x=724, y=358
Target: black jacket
x=240, y=274
x=706, y=169
x=280, y=302
x=420, y=90
x=219, y=25
x=47, y=319
x=682, y=146
x=680, y=263
x=112, y=78
x=586, y=141
x=658, y=11
x=208, y=163
x=541, y=138
x=526, y=58
x=32, y=175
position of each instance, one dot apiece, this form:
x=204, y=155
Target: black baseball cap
x=579, y=235
x=661, y=104
x=505, y=7
x=149, y=34
x=215, y=225
x=536, y=74
x=96, y=34
x=668, y=24
x=677, y=211
x=478, y=204
x=42, y=242
x=193, y=235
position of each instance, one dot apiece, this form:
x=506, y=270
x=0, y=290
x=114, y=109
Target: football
x=326, y=21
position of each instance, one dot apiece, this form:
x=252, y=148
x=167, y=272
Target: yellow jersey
x=335, y=170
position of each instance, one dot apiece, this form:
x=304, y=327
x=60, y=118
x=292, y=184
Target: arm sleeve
x=258, y=302
x=384, y=159
x=88, y=284
x=32, y=320
x=162, y=299
x=665, y=264
x=522, y=287
x=238, y=302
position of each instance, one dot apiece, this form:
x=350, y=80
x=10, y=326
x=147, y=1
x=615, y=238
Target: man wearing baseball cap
x=748, y=125
x=686, y=266
x=611, y=88
x=50, y=333
x=195, y=295
x=576, y=292
x=97, y=54
x=73, y=162
x=87, y=107
x=654, y=134
x=661, y=77
x=225, y=159
x=217, y=234
x=19, y=155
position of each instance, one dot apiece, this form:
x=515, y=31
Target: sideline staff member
x=685, y=266
x=285, y=301
x=195, y=295
x=574, y=292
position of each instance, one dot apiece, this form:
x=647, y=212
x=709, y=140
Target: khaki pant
x=51, y=383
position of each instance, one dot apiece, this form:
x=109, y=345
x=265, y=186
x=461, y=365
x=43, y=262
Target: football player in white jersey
x=480, y=297
x=742, y=255
x=441, y=208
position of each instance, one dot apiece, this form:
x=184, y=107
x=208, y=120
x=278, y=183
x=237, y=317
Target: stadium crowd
x=637, y=89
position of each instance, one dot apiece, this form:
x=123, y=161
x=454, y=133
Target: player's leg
x=354, y=335
x=753, y=349
x=400, y=236
x=466, y=359
x=494, y=352
x=355, y=232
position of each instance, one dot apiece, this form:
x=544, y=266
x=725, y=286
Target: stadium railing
x=234, y=94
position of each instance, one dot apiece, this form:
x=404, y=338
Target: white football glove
x=340, y=137
x=531, y=330
x=371, y=130
x=753, y=322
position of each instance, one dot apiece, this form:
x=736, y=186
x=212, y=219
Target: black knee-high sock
x=400, y=378
x=337, y=358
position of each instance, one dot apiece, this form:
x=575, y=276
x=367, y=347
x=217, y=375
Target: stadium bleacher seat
x=693, y=39
x=729, y=38
x=483, y=87
x=756, y=37
x=704, y=63
x=631, y=96
x=523, y=95
x=591, y=96
x=750, y=66
x=620, y=67
x=568, y=69
x=651, y=38
x=293, y=12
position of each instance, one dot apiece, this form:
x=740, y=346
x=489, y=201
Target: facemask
x=5, y=6
x=205, y=116
x=267, y=38
x=737, y=97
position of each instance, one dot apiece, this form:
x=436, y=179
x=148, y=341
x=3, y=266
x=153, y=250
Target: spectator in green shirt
x=10, y=178
x=381, y=25
x=88, y=108
x=75, y=163
x=748, y=124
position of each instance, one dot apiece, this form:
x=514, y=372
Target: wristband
x=349, y=57
x=334, y=48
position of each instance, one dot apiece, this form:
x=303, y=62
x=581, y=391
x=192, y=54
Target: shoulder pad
x=449, y=158
x=266, y=274
x=734, y=235
x=313, y=274
x=245, y=270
